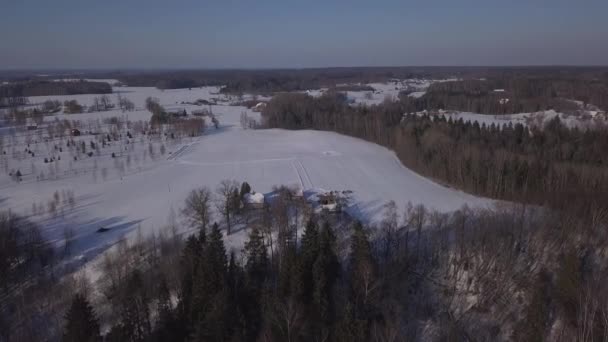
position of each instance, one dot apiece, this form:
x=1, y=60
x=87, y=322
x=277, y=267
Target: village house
x=329, y=202
x=259, y=107
x=254, y=200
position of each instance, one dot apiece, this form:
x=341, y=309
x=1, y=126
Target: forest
x=552, y=166
x=513, y=272
x=15, y=93
x=525, y=94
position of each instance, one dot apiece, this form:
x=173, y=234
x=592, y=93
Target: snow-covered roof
x=254, y=198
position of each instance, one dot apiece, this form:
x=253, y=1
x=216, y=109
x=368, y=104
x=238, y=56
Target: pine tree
x=362, y=270
x=257, y=258
x=81, y=323
x=166, y=327
x=251, y=297
x=349, y=328
x=308, y=255
x=189, y=264
x=210, y=297
x=245, y=189
x=325, y=270
x=215, y=256
x=135, y=314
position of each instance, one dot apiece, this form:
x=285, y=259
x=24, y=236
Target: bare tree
x=389, y=227
x=225, y=202
x=197, y=208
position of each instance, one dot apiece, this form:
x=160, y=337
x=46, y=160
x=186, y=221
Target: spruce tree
x=325, y=270
x=189, y=264
x=135, y=314
x=306, y=260
x=245, y=189
x=81, y=323
x=362, y=270
x=257, y=258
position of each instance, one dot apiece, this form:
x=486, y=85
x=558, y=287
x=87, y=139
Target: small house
x=259, y=107
x=254, y=200
x=329, y=202
x=179, y=113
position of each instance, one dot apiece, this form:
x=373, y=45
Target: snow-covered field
x=151, y=189
x=385, y=91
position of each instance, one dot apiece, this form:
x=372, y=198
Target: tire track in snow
x=181, y=151
x=306, y=173
x=190, y=162
x=295, y=168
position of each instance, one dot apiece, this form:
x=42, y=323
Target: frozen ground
x=147, y=192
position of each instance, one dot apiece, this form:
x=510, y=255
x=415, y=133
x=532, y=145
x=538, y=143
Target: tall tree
x=197, y=208
x=325, y=271
x=257, y=265
x=362, y=271
x=308, y=255
x=225, y=201
x=81, y=323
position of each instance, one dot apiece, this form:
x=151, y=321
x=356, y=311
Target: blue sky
x=313, y=33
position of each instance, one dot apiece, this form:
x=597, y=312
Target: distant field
x=113, y=193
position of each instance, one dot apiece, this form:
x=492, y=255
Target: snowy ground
x=385, y=91
x=148, y=191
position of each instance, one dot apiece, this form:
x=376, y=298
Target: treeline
x=45, y=88
x=554, y=164
x=509, y=273
x=517, y=94
x=280, y=80
x=505, y=274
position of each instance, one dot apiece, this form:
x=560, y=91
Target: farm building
x=259, y=107
x=329, y=202
x=254, y=200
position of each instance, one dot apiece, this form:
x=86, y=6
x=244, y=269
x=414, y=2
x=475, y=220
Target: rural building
x=254, y=200
x=259, y=107
x=329, y=202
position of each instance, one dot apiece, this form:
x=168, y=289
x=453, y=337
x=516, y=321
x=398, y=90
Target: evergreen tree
x=189, y=264
x=349, y=328
x=135, y=314
x=81, y=323
x=324, y=271
x=362, y=271
x=245, y=189
x=308, y=255
x=166, y=327
x=215, y=255
x=257, y=258
x=210, y=297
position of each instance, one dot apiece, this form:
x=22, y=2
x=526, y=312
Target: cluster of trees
x=510, y=162
x=523, y=94
x=159, y=114
x=46, y=88
x=510, y=273
x=72, y=107
x=101, y=103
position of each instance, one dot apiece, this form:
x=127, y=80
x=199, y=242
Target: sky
x=143, y=34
